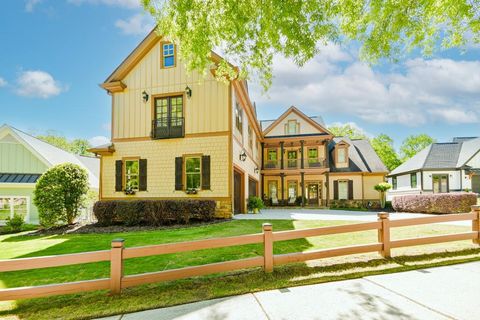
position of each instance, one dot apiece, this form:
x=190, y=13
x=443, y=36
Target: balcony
x=310, y=163
x=167, y=128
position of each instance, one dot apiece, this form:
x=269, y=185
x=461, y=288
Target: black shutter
x=178, y=173
x=118, y=175
x=205, y=172
x=335, y=190
x=350, y=189
x=142, y=185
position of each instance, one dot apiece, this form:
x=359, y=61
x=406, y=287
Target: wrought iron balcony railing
x=172, y=127
x=309, y=163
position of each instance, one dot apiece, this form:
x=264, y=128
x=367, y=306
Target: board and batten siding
x=206, y=111
x=15, y=158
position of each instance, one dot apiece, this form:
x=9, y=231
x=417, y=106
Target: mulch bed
x=95, y=228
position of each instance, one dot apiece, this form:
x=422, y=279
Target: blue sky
x=54, y=53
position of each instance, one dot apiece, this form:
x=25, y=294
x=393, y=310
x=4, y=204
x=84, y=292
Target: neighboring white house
x=23, y=159
x=440, y=167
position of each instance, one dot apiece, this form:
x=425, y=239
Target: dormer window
x=168, y=55
x=292, y=127
x=341, y=154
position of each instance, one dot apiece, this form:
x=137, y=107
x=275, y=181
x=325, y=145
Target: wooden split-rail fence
x=118, y=253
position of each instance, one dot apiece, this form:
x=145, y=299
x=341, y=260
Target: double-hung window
x=11, y=205
x=413, y=180
x=132, y=174
x=239, y=117
x=292, y=127
x=342, y=190
x=193, y=172
x=394, y=183
x=168, y=55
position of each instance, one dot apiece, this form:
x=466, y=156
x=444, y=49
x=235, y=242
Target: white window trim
x=27, y=216
x=346, y=183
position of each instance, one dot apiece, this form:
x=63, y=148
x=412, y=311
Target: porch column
x=282, y=176
x=327, y=155
x=262, y=188
x=301, y=154
x=281, y=155
x=302, y=185
x=263, y=154
x=327, y=200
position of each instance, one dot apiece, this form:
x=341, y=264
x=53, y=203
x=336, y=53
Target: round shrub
x=60, y=193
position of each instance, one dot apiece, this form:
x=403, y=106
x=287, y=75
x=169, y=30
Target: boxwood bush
x=153, y=212
x=457, y=202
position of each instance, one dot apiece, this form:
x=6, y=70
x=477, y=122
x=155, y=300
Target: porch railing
x=309, y=163
x=171, y=127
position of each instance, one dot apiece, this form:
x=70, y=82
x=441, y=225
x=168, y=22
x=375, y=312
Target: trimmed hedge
x=457, y=202
x=153, y=212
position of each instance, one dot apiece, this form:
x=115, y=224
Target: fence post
x=476, y=223
x=384, y=234
x=116, y=266
x=267, y=247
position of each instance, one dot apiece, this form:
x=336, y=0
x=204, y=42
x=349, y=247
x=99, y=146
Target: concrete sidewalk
x=327, y=214
x=449, y=292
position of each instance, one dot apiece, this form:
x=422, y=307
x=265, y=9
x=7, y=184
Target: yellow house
x=183, y=135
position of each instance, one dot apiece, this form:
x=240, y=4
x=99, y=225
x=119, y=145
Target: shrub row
x=435, y=203
x=152, y=212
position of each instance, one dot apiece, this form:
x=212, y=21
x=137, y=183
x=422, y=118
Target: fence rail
x=118, y=253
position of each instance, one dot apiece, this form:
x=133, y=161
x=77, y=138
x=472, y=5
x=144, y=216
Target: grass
x=96, y=304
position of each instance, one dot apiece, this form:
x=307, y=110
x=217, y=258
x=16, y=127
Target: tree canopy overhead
x=251, y=32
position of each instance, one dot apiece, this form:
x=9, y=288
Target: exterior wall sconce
x=255, y=170
x=243, y=156
x=145, y=96
x=188, y=91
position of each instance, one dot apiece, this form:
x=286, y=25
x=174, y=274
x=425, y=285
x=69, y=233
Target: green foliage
x=413, y=144
x=347, y=130
x=250, y=32
x=60, y=193
x=77, y=146
x=383, y=146
x=15, y=224
x=382, y=188
x=255, y=203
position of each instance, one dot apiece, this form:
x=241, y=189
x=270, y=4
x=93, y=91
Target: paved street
x=449, y=292
x=326, y=214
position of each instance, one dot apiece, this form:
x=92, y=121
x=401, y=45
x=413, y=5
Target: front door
x=237, y=192
x=312, y=194
x=440, y=183
x=476, y=183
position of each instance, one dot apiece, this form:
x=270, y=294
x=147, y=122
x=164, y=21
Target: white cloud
x=37, y=84
x=30, y=5
x=417, y=92
x=3, y=82
x=138, y=24
x=98, y=141
x=130, y=4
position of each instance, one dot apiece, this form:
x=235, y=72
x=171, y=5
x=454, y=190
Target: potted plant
x=382, y=188
x=129, y=190
x=254, y=204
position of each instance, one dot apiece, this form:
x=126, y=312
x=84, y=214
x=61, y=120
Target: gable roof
x=361, y=156
x=51, y=155
x=447, y=155
x=314, y=121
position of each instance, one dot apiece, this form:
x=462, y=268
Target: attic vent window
x=168, y=55
x=292, y=127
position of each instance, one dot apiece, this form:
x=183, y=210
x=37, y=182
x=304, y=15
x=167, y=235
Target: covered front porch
x=296, y=189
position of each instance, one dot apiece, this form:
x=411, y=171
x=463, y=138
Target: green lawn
x=94, y=304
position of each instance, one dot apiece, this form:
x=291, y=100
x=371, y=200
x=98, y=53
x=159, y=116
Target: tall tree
x=251, y=32
x=413, y=144
x=383, y=146
x=77, y=146
x=347, y=130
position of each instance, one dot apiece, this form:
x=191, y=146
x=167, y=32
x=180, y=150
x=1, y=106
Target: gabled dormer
x=293, y=122
x=341, y=155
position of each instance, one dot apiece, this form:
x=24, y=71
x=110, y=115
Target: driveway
x=326, y=214
x=449, y=292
